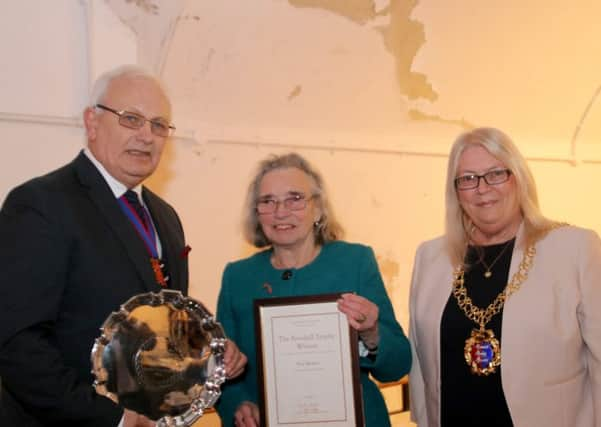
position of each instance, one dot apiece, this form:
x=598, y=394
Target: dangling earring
x=317, y=224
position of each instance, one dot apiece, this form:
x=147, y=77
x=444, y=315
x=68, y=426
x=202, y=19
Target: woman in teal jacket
x=288, y=213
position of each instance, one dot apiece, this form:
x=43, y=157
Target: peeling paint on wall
x=145, y=5
x=402, y=37
x=434, y=118
x=358, y=11
x=189, y=18
x=154, y=26
x=295, y=92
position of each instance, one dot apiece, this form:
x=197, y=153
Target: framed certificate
x=308, y=363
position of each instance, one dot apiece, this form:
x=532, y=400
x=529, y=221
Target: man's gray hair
x=104, y=80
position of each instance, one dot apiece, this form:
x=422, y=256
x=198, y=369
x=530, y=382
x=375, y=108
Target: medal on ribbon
x=147, y=233
x=158, y=272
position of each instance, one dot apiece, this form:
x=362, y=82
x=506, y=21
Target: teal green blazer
x=339, y=267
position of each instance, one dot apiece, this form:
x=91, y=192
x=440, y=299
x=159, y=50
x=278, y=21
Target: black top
x=468, y=399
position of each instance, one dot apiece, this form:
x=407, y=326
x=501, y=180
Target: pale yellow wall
x=373, y=92
x=389, y=201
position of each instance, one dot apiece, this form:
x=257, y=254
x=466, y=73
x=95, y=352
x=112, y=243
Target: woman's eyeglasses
x=471, y=181
x=295, y=202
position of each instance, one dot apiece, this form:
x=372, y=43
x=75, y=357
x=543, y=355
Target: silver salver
x=161, y=355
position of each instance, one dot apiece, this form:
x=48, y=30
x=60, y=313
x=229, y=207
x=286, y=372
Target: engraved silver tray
x=161, y=355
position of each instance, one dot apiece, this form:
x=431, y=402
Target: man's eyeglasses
x=295, y=202
x=471, y=181
x=128, y=119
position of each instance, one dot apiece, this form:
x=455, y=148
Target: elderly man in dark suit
x=77, y=243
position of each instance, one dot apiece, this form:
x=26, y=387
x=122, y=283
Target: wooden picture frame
x=308, y=363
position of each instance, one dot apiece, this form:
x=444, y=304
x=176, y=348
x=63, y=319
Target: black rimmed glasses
x=131, y=120
x=294, y=202
x=471, y=181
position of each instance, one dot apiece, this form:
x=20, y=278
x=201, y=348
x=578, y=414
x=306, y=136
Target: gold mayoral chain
x=482, y=350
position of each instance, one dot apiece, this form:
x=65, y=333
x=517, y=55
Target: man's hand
x=234, y=360
x=133, y=419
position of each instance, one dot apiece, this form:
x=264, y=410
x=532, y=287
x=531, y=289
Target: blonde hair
x=499, y=145
x=326, y=229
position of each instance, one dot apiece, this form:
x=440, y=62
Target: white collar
x=116, y=187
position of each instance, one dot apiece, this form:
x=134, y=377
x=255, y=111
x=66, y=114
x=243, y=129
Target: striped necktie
x=134, y=201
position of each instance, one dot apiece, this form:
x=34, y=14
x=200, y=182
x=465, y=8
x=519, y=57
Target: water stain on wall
x=389, y=269
x=402, y=37
x=295, y=92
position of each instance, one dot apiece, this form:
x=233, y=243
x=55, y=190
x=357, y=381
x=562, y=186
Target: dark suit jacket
x=68, y=258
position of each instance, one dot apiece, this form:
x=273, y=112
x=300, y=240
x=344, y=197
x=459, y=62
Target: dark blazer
x=68, y=258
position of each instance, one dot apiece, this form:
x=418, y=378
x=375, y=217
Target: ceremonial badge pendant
x=482, y=351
